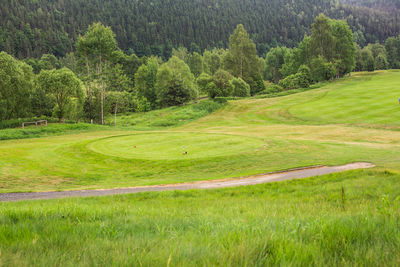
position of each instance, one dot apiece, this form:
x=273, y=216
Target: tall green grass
x=294, y=223
x=165, y=118
x=50, y=130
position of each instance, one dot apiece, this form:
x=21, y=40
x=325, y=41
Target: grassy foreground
x=297, y=223
x=346, y=219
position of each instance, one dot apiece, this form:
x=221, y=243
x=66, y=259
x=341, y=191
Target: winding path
x=252, y=180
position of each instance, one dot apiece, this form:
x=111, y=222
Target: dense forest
x=97, y=78
x=32, y=28
x=387, y=5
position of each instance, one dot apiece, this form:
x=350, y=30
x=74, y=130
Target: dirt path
x=252, y=180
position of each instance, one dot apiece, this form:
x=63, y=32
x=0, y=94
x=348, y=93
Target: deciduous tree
x=65, y=87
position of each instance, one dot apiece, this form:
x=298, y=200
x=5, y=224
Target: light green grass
x=171, y=146
x=370, y=99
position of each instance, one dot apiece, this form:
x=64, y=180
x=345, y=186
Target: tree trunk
x=115, y=114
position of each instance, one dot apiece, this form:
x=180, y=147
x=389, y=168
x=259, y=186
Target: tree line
x=99, y=79
x=329, y=52
x=33, y=28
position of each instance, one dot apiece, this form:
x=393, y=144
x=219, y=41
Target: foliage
x=213, y=60
x=16, y=82
x=145, y=81
x=32, y=28
x=196, y=64
x=333, y=41
x=118, y=102
x=344, y=51
x=239, y=87
x=274, y=61
x=175, y=83
x=96, y=48
x=294, y=81
x=322, y=70
x=392, y=46
x=219, y=86
x=241, y=59
x=66, y=89
x=273, y=88
x=202, y=81
x=256, y=84
x=142, y=104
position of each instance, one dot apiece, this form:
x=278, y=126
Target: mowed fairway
x=371, y=100
x=346, y=219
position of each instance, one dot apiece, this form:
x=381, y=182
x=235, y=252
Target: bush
x=220, y=100
x=142, y=104
x=208, y=106
x=212, y=90
x=203, y=80
x=295, y=81
x=274, y=88
x=306, y=72
x=221, y=79
x=175, y=83
x=256, y=85
x=239, y=87
x=322, y=70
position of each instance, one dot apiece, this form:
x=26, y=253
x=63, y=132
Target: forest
x=33, y=28
x=99, y=79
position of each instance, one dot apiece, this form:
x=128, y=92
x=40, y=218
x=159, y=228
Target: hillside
x=344, y=219
x=32, y=28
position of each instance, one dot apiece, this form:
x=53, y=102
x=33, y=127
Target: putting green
x=170, y=146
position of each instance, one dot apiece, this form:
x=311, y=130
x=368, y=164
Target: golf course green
x=175, y=146
x=344, y=219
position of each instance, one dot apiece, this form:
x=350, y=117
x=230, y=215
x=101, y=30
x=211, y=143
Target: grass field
x=299, y=223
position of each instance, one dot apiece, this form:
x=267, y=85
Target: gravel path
x=252, y=180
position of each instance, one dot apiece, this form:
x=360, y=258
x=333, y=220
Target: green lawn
x=299, y=223
x=373, y=99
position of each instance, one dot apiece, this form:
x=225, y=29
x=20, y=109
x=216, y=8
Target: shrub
x=306, y=72
x=212, y=90
x=203, y=80
x=221, y=80
x=220, y=100
x=239, y=87
x=274, y=88
x=256, y=84
x=322, y=70
x=142, y=104
x=175, y=83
